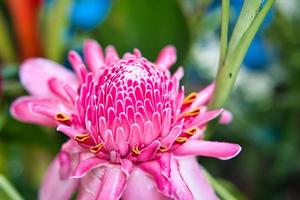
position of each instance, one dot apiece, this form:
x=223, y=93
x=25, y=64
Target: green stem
x=248, y=13
x=224, y=29
x=9, y=189
x=228, y=71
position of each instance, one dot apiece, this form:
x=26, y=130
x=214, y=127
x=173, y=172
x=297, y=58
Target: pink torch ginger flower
x=133, y=134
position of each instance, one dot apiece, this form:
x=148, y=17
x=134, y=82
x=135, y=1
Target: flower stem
x=224, y=29
x=248, y=24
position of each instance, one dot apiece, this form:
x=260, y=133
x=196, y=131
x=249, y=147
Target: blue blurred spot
x=87, y=14
x=257, y=57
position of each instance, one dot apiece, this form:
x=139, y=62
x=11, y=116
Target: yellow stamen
x=191, y=113
x=191, y=131
x=190, y=98
x=61, y=117
x=97, y=148
x=181, y=139
x=163, y=149
x=136, y=150
x=82, y=137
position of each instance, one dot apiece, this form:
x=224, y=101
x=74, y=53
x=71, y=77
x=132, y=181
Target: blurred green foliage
x=148, y=25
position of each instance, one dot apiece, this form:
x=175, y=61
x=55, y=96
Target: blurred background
x=265, y=101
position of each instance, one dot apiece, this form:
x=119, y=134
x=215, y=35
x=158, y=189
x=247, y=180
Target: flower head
x=129, y=123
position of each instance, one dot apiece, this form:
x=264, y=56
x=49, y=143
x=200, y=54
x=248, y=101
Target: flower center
x=127, y=110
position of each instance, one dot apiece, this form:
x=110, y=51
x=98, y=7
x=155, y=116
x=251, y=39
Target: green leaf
x=9, y=191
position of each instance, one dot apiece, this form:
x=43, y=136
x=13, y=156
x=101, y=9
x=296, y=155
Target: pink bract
x=133, y=133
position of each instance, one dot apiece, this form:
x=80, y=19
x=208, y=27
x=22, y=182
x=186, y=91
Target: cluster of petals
x=133, y=133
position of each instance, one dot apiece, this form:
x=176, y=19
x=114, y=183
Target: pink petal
x=93, y=55
x=65, y=161
x=121, y=141
x=57, y=88
x=148, y=134
x=90, y=184
x=149, y=152
x=154, y=169
x=203, y=118
x=178, y=75
x=78, y=65
x=141, y=186
x=137, y=53
x=204, y=96
x=72, y=94
x=54, y=187
x=113, y=183
x=166, y=57
x=21, y=110
x=111, y=56
x=167, y=177
x=193, y=176
x=35, y=73
x=126, y=166
x=85, y=166
x=221, y=150
x=135, y=135
x=171, y=137
x=68, y=131
x=226, y=117
x=178, y=183
x=42, y=110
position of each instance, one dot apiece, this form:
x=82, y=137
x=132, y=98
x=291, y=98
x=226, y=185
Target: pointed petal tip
x=220, y=150
x=137, y=52
x=204, y=95
x=170, y=48
x=68, y=131
x=111, y=55
x=166, y=57
x=110, y=47
x=73, y=56
x=235, y=150
x=88, y=42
